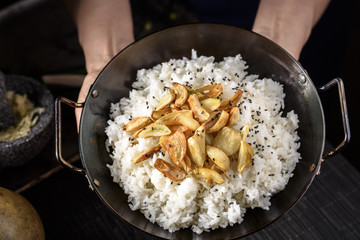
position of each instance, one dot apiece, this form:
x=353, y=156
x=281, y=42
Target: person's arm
x=104, y=28
x=288, y=22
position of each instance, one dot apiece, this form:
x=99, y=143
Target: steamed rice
x=193, y=203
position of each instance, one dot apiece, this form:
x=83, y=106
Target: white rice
x=193, y=203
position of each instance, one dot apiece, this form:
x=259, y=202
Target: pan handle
x=58, y=151
x=344, y=113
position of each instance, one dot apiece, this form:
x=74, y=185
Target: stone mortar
x=21, y=150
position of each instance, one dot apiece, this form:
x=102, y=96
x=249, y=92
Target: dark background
x=38, y=37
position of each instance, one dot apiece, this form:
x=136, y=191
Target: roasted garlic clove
x=148, y=154
x=191, y=91
x=228, y=140
x=210, y=175
x=214, y=117
x=154, y=130
x=171, y=171
x=234, y=116
x=186, y=164
x=231, y=102
x=174, y=128
x=210, y=104
x=185, y=106
x=171, y=118
x=181, y=94
x=211, y=91
x=187, y=121
x=196, y=146
x=136, y=124
x=209, y=138
x=155, y=115
x=246, y=153
x=220, y=123
x=166, y=99
x=175, y=144
x=199, y=112
x=218, y=157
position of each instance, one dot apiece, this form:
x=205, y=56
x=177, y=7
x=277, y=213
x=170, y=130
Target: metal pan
x=264, y=58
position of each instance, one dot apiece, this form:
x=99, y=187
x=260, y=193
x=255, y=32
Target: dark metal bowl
x=264, y=58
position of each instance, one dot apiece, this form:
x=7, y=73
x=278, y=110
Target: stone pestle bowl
x=20, y=151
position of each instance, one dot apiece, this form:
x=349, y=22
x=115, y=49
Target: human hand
x=88, y=81
x=288, y=22
x=95, y=64
x=104, y=29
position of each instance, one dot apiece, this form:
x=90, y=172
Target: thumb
x=88, y=81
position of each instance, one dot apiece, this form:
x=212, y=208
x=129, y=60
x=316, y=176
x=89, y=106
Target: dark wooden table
x=330, y=209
